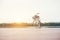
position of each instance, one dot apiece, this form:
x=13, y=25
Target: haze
x=23, y=10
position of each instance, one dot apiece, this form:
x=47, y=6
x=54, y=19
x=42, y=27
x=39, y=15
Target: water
x=30, y=33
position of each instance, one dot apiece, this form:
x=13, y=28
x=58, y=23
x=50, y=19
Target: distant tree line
x=27, y=24
x=50, y=24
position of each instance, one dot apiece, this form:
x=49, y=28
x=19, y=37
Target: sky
x=23, y=10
